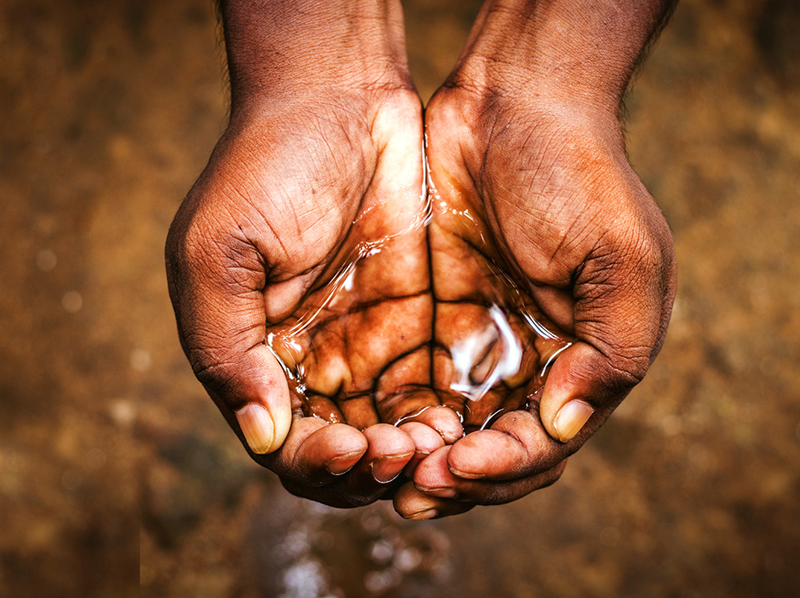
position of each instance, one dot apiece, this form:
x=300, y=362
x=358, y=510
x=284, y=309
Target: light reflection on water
x=309, y=550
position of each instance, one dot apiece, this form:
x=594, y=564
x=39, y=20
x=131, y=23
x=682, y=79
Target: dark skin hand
x=542, y=165
x=255, y=236
x=321, y=169
x=305, y=174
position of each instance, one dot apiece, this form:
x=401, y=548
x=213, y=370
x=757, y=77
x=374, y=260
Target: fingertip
x=444, y=420
x=414, y=505
x=570, y=420
x=433, y=473
x=486, y=453
x=282, y=420
x=426, y=439
x=388, y=440
x=264, y=432
x=254, y=392
x=411, y=503
x=317, y=452
x=390, y=450
x=344, y=463
x=338, y=446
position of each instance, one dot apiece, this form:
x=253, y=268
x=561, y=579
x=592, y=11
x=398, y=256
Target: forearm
x=294, y=47
x=575, y=50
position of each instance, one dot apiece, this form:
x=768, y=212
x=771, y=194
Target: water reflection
x=309, y=550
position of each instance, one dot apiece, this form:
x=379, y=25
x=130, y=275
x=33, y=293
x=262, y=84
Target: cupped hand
x=542, y=190
x=301, y=197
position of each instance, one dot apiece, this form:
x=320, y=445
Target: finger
x=578, y=384
x=499, y=493
x=434, y=478
x=317, y=454
x=410, y=503
x=426, y=440
x=322, y=407
x=216, y=280
x=515, y=446
x=389, y=450
x=443, y=420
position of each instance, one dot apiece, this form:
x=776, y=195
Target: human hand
x=542, y=174
x=317, y=169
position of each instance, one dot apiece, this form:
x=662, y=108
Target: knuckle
x=625, y=367
x=212, y=370
x=626, y=358
x=189, y=244
x=621, y=364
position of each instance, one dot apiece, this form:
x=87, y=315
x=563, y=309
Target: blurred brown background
x=116, y=470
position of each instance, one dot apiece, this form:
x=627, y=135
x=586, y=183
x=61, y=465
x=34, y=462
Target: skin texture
x=580, y=229
x=260, y=231
x=532, y=203
x=309, y=169
x=525, y=133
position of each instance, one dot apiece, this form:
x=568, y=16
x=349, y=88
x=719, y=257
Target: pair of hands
x=298, y=183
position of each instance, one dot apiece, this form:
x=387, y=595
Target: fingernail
x=571, y=418
x=257, y=427
x=438, y=492
x=341, y=465
x=467, y=475
x=387, y=469
x=427, y=514
x=449, y=437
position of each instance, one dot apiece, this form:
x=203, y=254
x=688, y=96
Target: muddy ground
x=117, y=474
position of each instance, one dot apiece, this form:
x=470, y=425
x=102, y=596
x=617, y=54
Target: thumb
x=216, y=285
x=250, y=389
x=621, y=313
x=580, y=385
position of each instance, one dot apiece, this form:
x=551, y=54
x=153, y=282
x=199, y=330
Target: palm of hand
x=402, y=318
x=356, y=349
x=415, y=310
x=304, y=245
x=375, y=342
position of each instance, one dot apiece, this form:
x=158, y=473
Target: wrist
x=295, y=49
x=560, y=51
